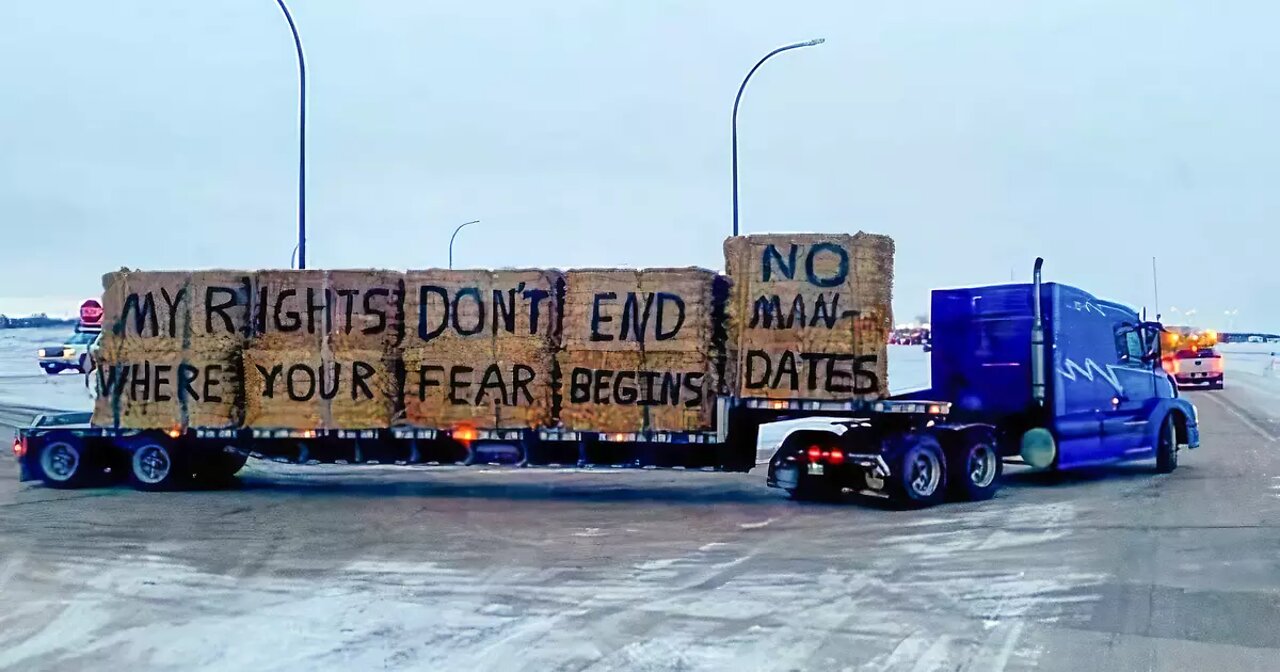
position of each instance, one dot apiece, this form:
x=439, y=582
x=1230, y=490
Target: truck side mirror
x=1150, y=332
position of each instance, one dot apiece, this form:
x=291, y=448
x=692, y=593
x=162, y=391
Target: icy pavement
x=396, y=568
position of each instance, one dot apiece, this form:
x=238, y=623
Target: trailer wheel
x=921, y=475
x=975, y=473
x=154, y=466
x=1167, y=446
x=64, y=463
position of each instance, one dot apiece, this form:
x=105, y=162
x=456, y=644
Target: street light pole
x=738, y=99
x=302, y=138
x=455, y=235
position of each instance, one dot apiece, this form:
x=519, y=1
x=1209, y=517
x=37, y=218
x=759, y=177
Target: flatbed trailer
x=1042, y=374
x=65, y=451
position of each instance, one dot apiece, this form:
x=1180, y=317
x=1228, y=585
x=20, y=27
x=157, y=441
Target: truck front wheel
x=975, y=473
x=154, y=465
x=920, y=478
x=1167, y=446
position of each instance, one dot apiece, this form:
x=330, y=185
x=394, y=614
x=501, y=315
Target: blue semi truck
x=1044, y=374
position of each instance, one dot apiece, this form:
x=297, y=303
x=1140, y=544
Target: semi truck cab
x=1106, y=396
x=1050, y=375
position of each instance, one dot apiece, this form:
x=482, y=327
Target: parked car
x=72, y=354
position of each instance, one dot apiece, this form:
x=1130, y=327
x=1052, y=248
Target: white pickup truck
x=1197, y=367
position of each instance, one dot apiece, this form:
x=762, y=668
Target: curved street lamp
x=455, y=235
x=302, y=138
x=738, y=99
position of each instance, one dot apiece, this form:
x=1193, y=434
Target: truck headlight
x=67, y=352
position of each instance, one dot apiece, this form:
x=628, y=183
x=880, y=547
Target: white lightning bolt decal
x=1088, y=307
x=1070, y=370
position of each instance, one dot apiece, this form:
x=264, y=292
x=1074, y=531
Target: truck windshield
x=81, y=338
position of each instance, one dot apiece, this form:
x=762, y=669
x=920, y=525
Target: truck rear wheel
x=975, y=473
x=1167, y=446
x=64, y=464
x=920, y=478
x=154, y=466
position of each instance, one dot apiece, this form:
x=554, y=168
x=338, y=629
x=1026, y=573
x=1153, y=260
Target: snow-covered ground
x=24, y=383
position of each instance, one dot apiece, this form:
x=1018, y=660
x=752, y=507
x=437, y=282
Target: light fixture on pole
x=738, y=99
x=455, y=235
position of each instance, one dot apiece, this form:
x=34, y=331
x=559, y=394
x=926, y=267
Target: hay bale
x=367, y=308
x=367, y=390
x=170, y=349
x=479, y=347
x=290, y=310
x=638, y=346
x=810, y=315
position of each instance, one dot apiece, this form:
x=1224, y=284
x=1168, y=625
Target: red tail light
x=837, y=457
x=815, y=453
x=19, y=448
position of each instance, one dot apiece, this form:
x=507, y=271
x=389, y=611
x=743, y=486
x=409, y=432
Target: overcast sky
x=162, y=134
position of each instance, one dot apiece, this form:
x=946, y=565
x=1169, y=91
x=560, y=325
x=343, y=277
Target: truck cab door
x=1125, y=424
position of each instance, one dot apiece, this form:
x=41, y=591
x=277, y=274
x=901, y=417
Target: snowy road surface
x=307, y=568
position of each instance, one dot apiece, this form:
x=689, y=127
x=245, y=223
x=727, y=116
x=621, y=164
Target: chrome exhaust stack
x=1038, y=385
x=1039, y=447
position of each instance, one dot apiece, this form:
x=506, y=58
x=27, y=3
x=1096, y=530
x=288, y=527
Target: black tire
x=154, y=465
x=65, y=463
x=920, y=473
x=1167, y=446
x=974, y=474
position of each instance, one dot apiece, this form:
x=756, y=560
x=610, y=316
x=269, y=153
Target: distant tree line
x=37, y=320
x=1243, y=337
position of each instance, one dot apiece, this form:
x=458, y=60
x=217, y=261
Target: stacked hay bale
x=170, y=351
x=639, y=353
x=323, y=353
x=480, y=347
x=598, y=350
x=810, y=315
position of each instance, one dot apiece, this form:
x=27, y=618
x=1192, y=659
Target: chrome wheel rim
x=925, y=474
x=151, y=464
x=982, y=465
x=60, y=461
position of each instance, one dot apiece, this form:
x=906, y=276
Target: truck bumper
x=1193, y=435
x=1187, y=380
x=785, y=471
